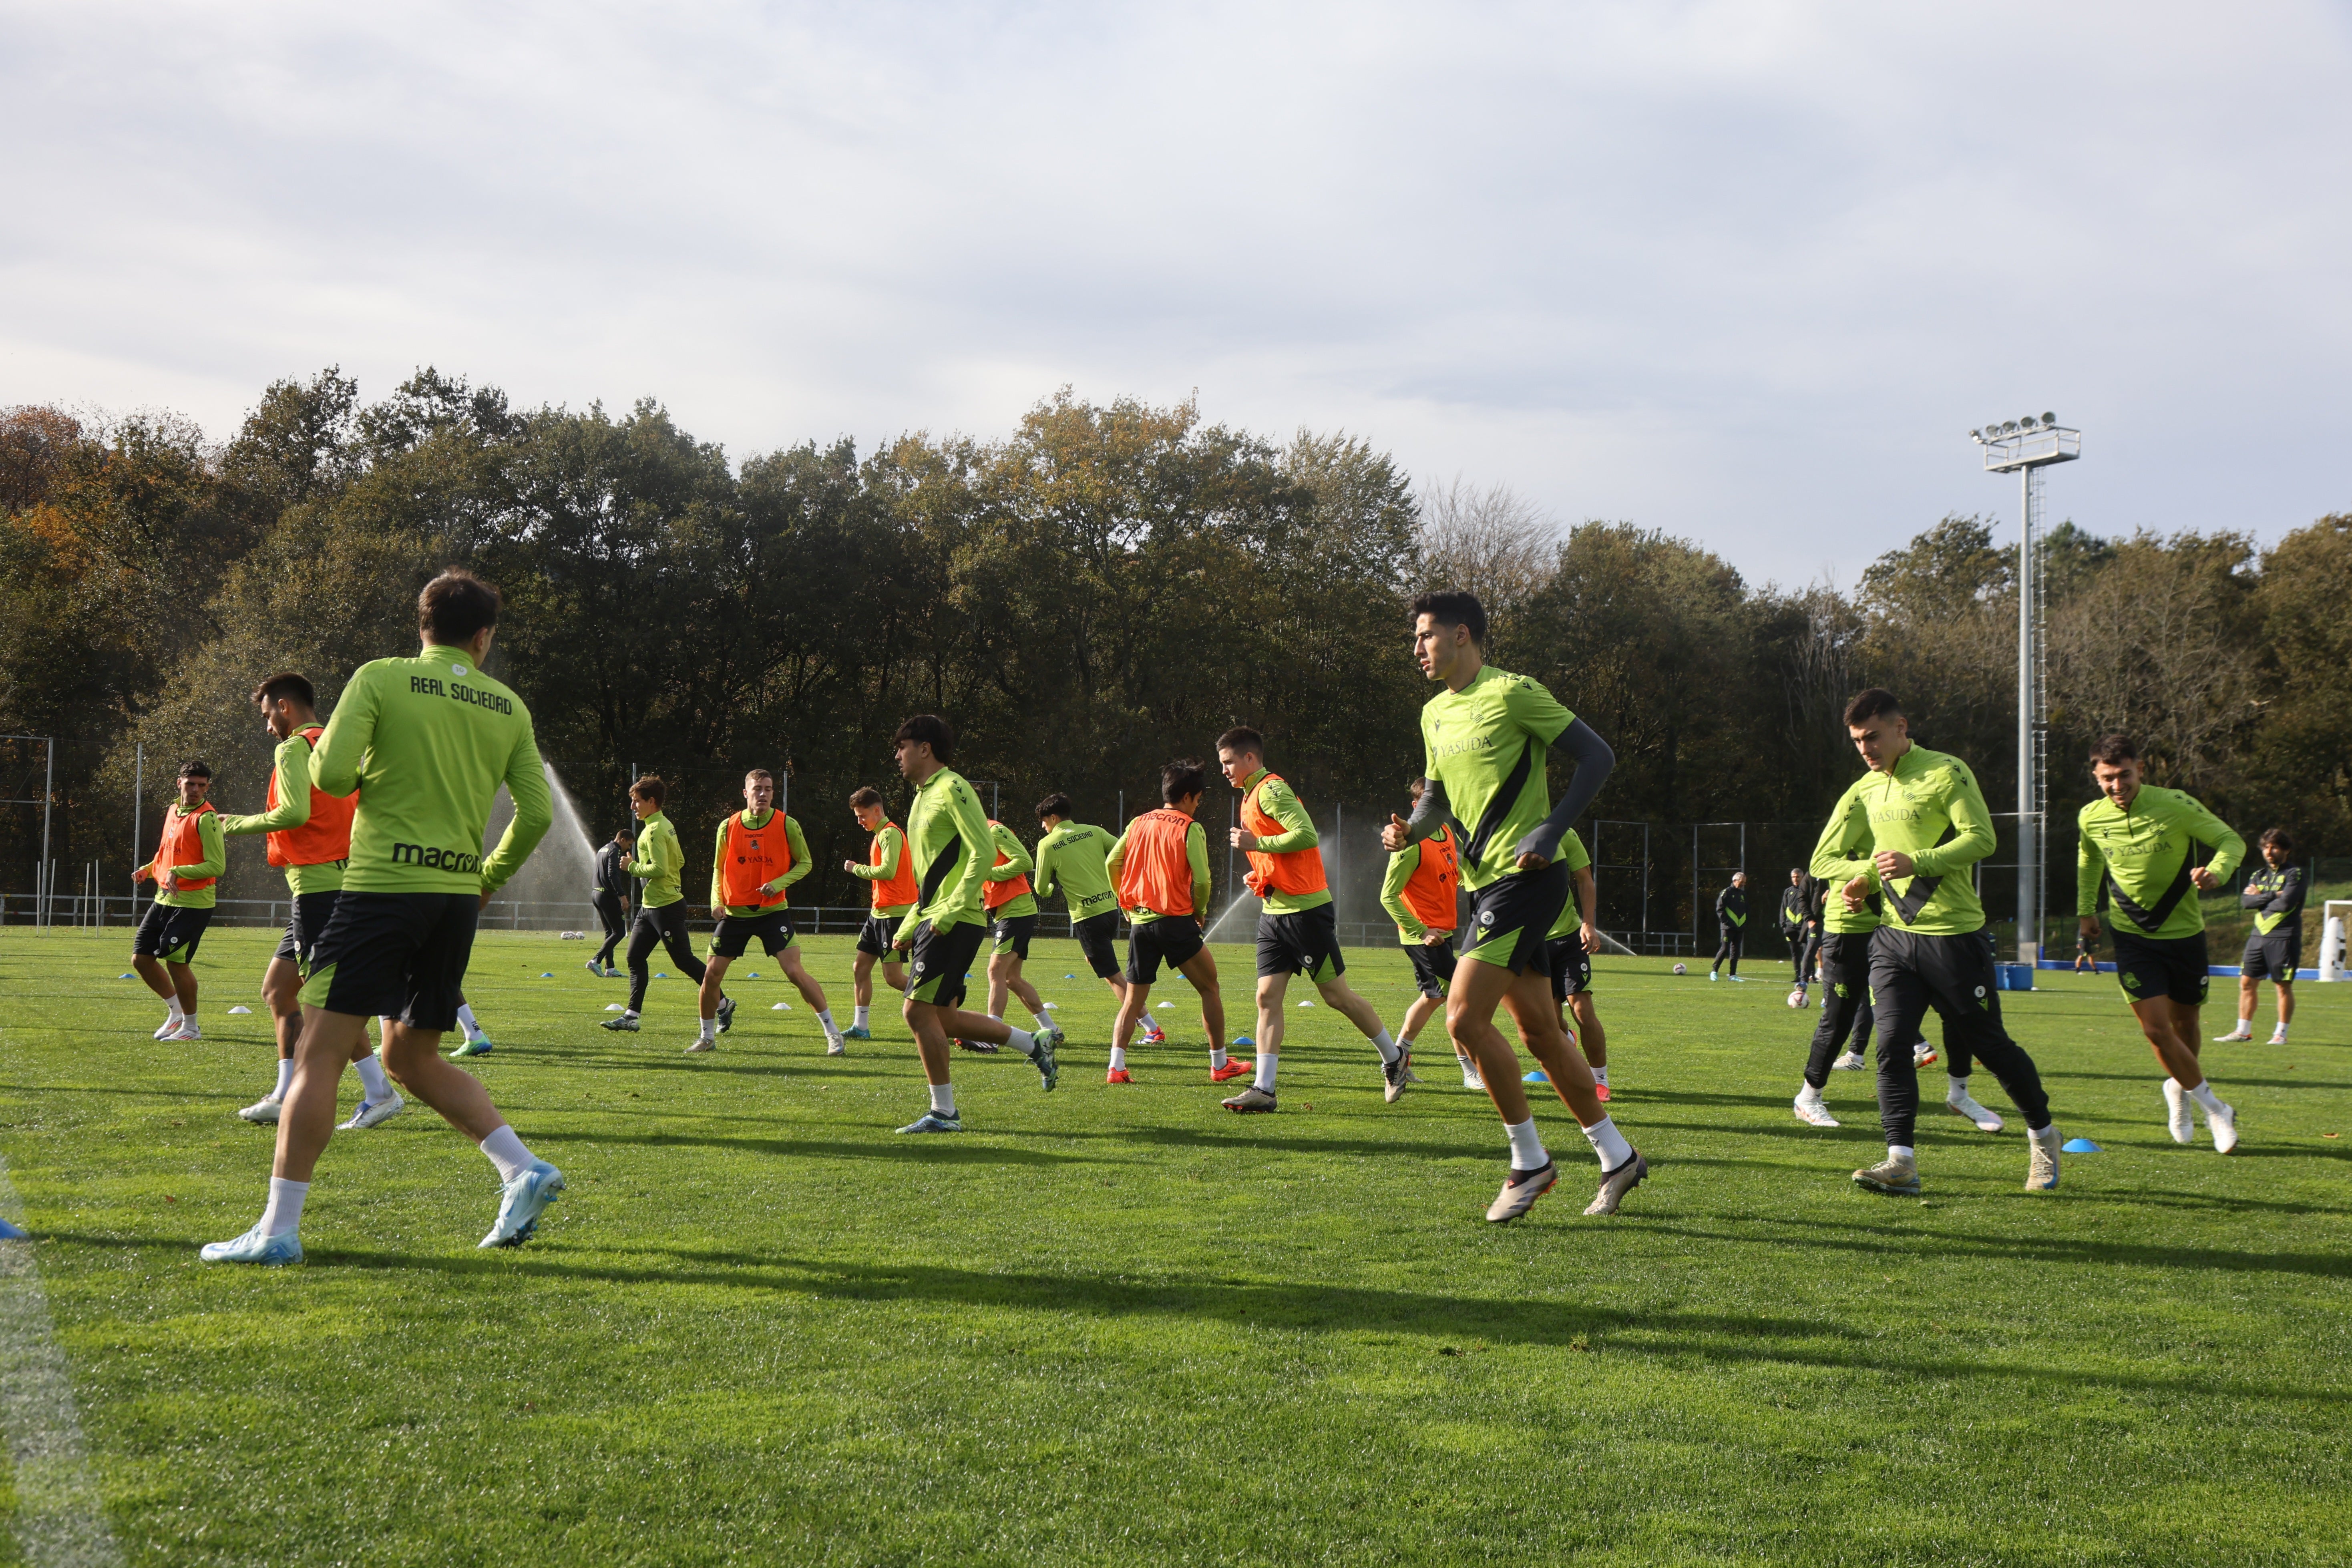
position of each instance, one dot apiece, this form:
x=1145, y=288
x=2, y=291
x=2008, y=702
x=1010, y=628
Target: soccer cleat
x=1616, y=1183
x=1048, y=1070
x=1118, y=1075
x=985, y=1048
x=375, y=1113
x=264, y=1109
x=2042, y=1160
x=726, y=1013
x=1250, y=1100
x=2223, y=1125
x=2177, y=1114
x=933, y=1121
x=1965, y=1104
x=1711, y=975
x=480, y=1046
x=1740, y=979
x=2239, y=1037
x=1813, y=1112
x=595, y=969
x=1470, y=1078
x=1520, y=1192
x=253, y=1247
x=701, y=1047
x=623, y=1024
x=838, y=1045
x=2278, y=1038
x=171, y=1027
x=857, y=1032
x=1899, y=1177
x=1234, y=1068
x=186, y=1031
x=1852, y=1061
x=1923, y=1055
x=523, y=1200
x=1397, y=1074
x=1153, y=1034
x=1599, y=1090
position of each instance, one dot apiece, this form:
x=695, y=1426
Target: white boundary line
x=60, y=1523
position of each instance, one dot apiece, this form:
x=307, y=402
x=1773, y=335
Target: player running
x=309, y=838
x=1298, y=932
x=2137, y=863
x=889, y=870
x=1161, y=865
x=2274, y=950
x=1730, y=925
x=1419, y=894
x=759, y=853
x=1910, y=829
x=426, y=741
x=659, y=862
x=1568, y=948
x=1073, y=858
x=1488, y=736
x=188, y=862
x=1012, y=907
x=611, y=897
x=953, y=850
x=2086, y=953
x=1801, y=925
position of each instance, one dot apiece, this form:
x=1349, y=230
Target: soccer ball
x=1796, y=997
x=1682, y=969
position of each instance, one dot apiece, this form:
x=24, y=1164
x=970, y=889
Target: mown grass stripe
x=59, y=1521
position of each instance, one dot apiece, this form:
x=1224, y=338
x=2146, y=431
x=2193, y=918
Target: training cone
x=1066, y=977
x=2080, y=1146
x=547, y=975
x=612, y=1006
x=1240, y=1040
x=1306, y=1004
x=1535, y=1076
x=659, y=975
x=781, y=1007
x=130, y=976
x=1168, y=1003
x=13, y=1232
x=234, y=1011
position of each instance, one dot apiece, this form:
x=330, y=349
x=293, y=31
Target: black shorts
x=2273, y=957
x=878, y=935
x=1509, y=916
x=2147, y=967
x=305, y=926
x=1571, y=966
x=734, y=933
x=1099, y=940
x=394, y=955
x=1305, y=943
x=1432, y=966
x=1173, y=939
x=1013, y=934
x=171, y=933
x=942, y=962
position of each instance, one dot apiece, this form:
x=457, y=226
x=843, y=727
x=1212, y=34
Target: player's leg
x=1899, y=993
x=1480, y=986
x=1272, y=990
x=1844, y=999
x=1005, y=964
x=1957, y=972
x=1135, y=996
x=786, y=952
x=2250, y=989
x=940, y=961
x=281, y=988
x=608, y=916
x=712, y=992
x=1201, y=969
x=2283, y=985
x=1327, y=968
x=1132, y=1001
x=645, y=935
x=1722, y=949
x=677, y=942
x=861, y=986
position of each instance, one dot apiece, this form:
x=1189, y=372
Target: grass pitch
x=1121, y=1325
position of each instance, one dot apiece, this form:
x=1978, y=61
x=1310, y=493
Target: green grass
x=1122, y=1326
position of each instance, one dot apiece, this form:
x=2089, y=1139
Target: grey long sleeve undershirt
x=1580, y=744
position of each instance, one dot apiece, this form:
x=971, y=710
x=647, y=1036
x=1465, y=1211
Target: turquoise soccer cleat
x=253, y=1247
x=526, y=1198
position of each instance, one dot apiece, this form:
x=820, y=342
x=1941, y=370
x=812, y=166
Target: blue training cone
x=547, y=975
x=1244, y=1041
x=2080, y=1146
x=1535, y=1076
x=126, y=976
x=14, y=1233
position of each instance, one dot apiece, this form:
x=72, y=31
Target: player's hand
x=170, y=881
x=1532, y=861
x=1243, y=838
x=1590, y=937
x=1432, y=939
x=2090, y=925
x=1396, y=835
x=1894, y=863
x=486, y=900
x=2205, y=879
x=1855, y=894
x=849, y=866
x=628, y=862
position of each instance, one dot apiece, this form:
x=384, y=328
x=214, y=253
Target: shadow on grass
x=928, y=1151
x=1914, y=1239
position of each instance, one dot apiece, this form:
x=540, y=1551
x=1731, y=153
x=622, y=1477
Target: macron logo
x=432, y=858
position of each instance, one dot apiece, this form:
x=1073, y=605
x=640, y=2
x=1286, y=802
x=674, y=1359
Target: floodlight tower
x=2026, y=446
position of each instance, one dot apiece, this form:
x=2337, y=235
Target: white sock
x=473, y=1026
x=1404, y=1042
x=371, y=1078
x=1386, y=1046
x=825, y=1017
x=1022, y=1040
x=999, y=1017
x=1469, y=1072
x=1601, y=1075
x=943, y=1099
x=859, y=1017
x=1267, y=1062
x=2279, y=1032
x=1118, y=1058
x=628, y=1012
x=1956, y=1090
x=285, y=1077
x=1808, y=1094
x=2204, y=1094
x=284, y=1210
x=1902, y=1151
x=507, y=1153
x=1043, y=1023
x=709, y=1028
x=188, y=1019
x=1216, y=1054
x=176, y=1015
x=2246, y=1026
x=1609, y=1143
x=1526, y=1149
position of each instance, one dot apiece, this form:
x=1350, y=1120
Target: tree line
x=1105, y=587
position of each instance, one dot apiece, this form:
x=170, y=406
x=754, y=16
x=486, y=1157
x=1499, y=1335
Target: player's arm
x=1196, y=855
x=292, y=766
x=1042, y=884
x=2290, y=892
x=1401, y=865
x=1842, y=854
x=1430, y=815
x=2090, y=869
x=718, y=857
x=1588, y=901
x=892, y=840
x=1016, y=858
x=335, y=760
x=652, y=858
x=211, y=845
x=1576, y=740
x=1116, y=859
x=802, y=864
x=973, y=824
x=2204, y=827
x=1276, y=799
x=1972, y=834
x=534, y=810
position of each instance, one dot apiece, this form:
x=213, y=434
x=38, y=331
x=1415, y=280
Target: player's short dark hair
x=2114, y=750
x=1241, y=738
x=192, y=769
x=1189, y=775
x=1796, y=871
x=1419, y=787
x=1452, y=607
x=1876, y=703
x=1054, y=804
x=286, y=683
x=650, y=787
x=749, y=773
x=865, y=795
x=932, y=731
x=625, y=833
x=2279, y=836
x=455, y=605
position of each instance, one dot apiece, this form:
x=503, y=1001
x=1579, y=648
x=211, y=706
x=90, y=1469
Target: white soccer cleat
x=2278, y=1038
x=1965, y=1104
x=2178, y=1116
x=2223, y=1125
x=186, y=1031
x=375, y=1113
x=521, y=1202
x=2042, y=1159
x=2239, y=1037
x=264, y=1109
x=1812, y=1111
x=1852, y=1061
x=171, y=1027
x=1923, y=1055
x=253, y=1247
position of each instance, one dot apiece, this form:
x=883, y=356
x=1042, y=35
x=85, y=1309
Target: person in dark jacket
x=1732, y=923
x=611, y=897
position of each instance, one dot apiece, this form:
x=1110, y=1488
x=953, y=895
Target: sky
x=1748, y=273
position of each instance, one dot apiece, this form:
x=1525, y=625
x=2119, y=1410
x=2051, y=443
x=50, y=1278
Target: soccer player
x=1568, y=948
x=188, y=862
x=1488, y=737
x=2086, y=952
x=2137, y=861
x=659, y=862
x=1297, y=933
x=1161, y=864
x=1800, y=925
x=1731, y=925
x=889, y=870
x=1910, y=829
x=426, y=741
x=759, y=853
x=1012, y=907
x=309, y=838
x=953, y=849
x=1073, y=858
x=611, y=897
x=2274, y=950
x=1419, y=894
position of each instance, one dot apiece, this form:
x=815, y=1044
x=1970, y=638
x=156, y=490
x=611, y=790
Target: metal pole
x=138, y=801
x=48, y=799
x=1338, y=838
x=2029, y=830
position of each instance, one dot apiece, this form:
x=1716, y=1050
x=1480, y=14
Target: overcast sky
x=1745, y=272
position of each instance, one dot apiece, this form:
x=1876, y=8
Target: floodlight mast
x=2026, y=447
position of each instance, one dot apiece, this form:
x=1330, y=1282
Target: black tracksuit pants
x=1734, y=939
x=1909, y=974
x=613, y=917
x=1845, y=1001
x=666, y=927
